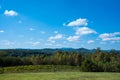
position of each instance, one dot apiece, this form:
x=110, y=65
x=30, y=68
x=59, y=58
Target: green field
x=61, y=76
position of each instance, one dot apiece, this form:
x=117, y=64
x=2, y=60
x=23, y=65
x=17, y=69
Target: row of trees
x=97, y=61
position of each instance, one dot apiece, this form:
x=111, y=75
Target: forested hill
x=48, y=51
x=95, y=60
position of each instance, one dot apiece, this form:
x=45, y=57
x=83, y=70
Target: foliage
x=40, y=68
x=97, y=61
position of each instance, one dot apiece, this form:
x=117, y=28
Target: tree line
x=98, y=61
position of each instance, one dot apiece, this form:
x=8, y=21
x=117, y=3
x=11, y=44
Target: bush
x=1, y=70
x=40, y=68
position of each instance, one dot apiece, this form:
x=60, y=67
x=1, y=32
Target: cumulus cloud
x=78, y=22
x=85, y=31
x=90, y=41
x=64, y=24
x=42, y=32
x=53, y=45
x=36, y=43
x=110, y=36
x=55, y=32
x=102, y=42
x=10, y=13
x=58, y=45
x=48, y=44
x=53, y=38
x=73, y=38
x=31, y=29
x=1, y=31
x=81, y=29
x=7, y=43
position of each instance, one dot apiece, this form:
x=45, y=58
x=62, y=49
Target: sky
x=38, y=24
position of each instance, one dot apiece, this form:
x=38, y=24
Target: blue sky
x=37, y=24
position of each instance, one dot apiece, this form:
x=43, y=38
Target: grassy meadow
x=61, y=76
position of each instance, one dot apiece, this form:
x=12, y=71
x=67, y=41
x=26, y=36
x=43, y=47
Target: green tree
x=78, y=59
x=88, y=66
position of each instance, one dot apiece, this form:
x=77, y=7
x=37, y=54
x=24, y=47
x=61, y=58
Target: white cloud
x=36, y=43
x=58, y=45
x=78, y=22
x=53, y=38
x=85, y=31
x=31, y=29
x=80, y=25
x=42, y=32
x=58, y=36
x=10, y=13
x=73, y=38
x=53, y=45
x=110, y=36
x=48, y=44
x=1, y=31
x=112, y=39
x=55, y=32
x=102, y=42
x=90, y=41
x=7, y=43
x=64, y=24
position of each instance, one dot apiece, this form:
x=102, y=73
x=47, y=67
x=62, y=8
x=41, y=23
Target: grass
x=61, y=76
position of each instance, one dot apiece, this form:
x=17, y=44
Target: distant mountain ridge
x=48, y=51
